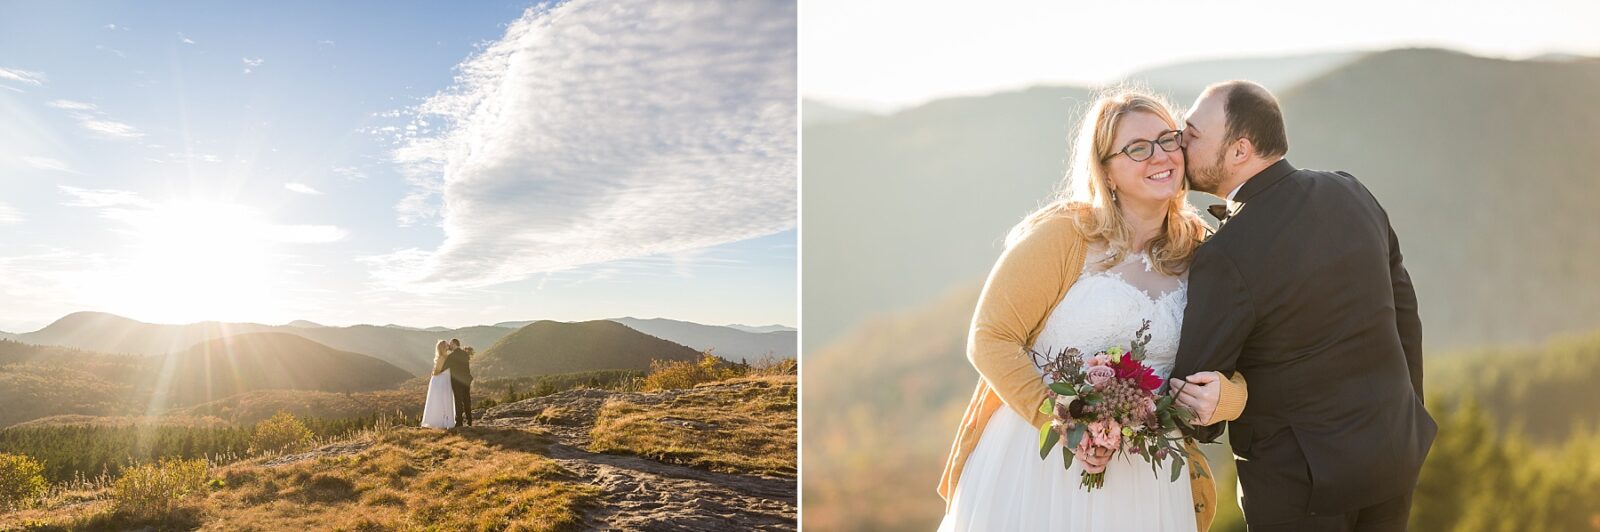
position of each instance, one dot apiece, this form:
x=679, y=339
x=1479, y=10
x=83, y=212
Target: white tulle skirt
x=439, y=412
x=1005, y=486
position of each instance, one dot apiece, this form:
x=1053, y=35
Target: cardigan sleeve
x=1024, y=285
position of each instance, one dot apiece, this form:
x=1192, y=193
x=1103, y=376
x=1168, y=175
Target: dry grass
x=477, y=479
x=406, y=479
x=747, y=430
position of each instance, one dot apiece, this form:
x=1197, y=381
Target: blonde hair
x=441, y=350
x=1086, y=199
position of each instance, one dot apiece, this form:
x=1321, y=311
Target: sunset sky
x=419, y=163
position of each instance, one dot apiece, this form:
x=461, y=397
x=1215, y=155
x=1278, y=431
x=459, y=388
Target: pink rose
x=1098, y=360
x=1099, y=375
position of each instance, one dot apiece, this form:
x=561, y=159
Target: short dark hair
x=1253, y=114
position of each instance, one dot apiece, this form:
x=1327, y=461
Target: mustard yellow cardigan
x=1027, y=282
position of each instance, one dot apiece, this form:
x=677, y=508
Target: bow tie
x=1220, y=212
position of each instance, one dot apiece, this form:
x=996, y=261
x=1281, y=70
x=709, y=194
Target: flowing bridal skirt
x=1005, y=486
x=439, y=412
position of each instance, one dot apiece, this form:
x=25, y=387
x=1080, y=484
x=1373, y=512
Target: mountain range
x=408, y=348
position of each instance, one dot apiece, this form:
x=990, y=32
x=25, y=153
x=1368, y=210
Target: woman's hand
x=1095, y=460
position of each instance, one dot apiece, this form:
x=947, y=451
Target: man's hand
x=1200, y=393
x=1095, y=460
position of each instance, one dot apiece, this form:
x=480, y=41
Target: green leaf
x=1075, y=435
x=1047, y=407
x=1047, y=440
x=1062, y=388
x=1177, y=467
x=1066, y=458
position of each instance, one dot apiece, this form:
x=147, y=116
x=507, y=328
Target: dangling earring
x=1113, y=195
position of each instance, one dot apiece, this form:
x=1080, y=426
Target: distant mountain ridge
x=411, y=350
x=728, y=342
x=550, y=347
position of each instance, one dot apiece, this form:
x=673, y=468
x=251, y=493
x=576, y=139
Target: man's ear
x=1241, y=151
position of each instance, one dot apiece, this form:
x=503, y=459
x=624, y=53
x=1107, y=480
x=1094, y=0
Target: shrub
x=21, y=480
x=282, y=433
x=154, y=490
x=672, y=374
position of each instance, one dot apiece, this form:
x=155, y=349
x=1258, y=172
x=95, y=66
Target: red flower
x=1134, y=370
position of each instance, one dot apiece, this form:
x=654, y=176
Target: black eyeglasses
x=1140, y=150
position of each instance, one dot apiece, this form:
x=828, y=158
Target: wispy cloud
x=135, y=211
x=251, y=64
x=22, y=76
x=302, y=188
x=111, y=128
x=9, y=214
x=71, y=105
x=118, y=53
x=46, y=163
x=602, y=130
x=184, y=39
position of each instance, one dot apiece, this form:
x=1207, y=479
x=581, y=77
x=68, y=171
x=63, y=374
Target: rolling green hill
x=547, y=347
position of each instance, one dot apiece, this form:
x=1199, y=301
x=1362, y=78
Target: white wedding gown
x=439, y=412
x=1006, y=486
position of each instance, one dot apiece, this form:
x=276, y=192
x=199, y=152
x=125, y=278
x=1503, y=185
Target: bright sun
x=193, y=261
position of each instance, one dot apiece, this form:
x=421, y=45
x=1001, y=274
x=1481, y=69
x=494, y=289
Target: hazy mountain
x=403, y=328
x=1496, y=228
x=902, y=207
x=1184, y=81
x=7, y=336
x=228, y=366
x=813, y=112
x=303, y=324
x=729, y=343
x=409, y=349
x=547, y=347
x=445, y=329
x=761, y=328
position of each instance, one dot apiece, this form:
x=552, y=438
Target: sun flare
x=196, y=260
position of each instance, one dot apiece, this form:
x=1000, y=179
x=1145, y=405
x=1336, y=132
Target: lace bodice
x=1107, y=304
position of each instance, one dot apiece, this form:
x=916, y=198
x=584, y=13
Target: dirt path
x=643, y=494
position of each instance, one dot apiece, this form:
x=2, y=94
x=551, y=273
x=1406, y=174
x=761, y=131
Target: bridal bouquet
x=1108, y=400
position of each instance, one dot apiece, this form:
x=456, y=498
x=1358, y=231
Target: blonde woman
x=1110, y=251
x=439, y=411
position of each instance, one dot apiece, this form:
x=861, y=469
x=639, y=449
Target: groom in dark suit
x=459, y=362
x=1302, y=290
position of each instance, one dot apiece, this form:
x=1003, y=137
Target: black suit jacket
x=459, y=364
x=1303, y=291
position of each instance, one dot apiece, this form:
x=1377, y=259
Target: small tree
x=154, y=490
x=21, y=480
x=282, y=433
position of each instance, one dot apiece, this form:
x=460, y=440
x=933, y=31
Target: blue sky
x=406, y=162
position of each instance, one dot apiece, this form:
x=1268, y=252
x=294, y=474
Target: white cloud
x=46, y=163
x=304, y=234
x=9, y=214
x=119, y=53
x=111, y=128
x=101, y=198
x=302, y=188
x=71, y=105
x=350, y=172
x=251, y=64
x=23, y=76
x=184, y=39
x=603, y=130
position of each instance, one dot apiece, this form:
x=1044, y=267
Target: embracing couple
x=449, y=402
x=1295, y=323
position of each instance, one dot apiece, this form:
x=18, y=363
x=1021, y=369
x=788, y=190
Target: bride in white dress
x=1083, y=272
x=439, y=411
